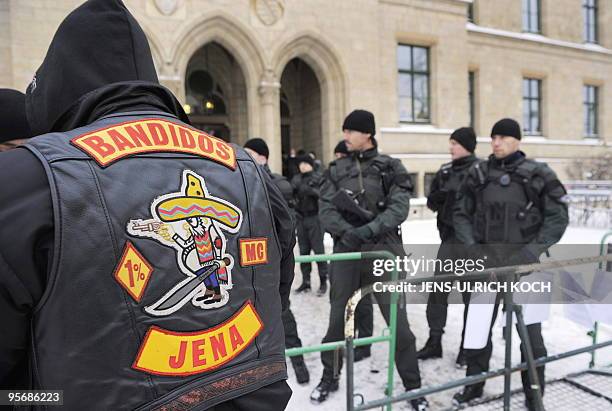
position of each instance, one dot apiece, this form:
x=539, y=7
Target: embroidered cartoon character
x=192, y=222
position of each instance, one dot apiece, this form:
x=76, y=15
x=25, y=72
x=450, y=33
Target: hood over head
x=98, y=46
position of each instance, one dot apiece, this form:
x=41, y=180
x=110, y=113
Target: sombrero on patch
x=195, y=204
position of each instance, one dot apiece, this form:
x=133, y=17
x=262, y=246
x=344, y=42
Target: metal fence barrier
x=509, y=273
x=388, y=334
x=602, y=251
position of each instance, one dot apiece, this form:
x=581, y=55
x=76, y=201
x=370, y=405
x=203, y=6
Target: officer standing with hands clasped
x=143, y=263
x=364, y=199
x=441, y=199
x=310, y=234
x=513, y=208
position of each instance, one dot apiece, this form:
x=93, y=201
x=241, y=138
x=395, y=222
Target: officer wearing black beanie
x=519, y=203
x=441, y=199
x=507, y=127
x=362, y=121
x=259, y=146
x=340, y=150
x=363, y=200
x=466, y=137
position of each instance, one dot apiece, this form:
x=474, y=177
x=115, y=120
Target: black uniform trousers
x=310, y=238
x=364, y=315
x=478, y=360
x=346, y=278
x=292, y=340
x=437, y=302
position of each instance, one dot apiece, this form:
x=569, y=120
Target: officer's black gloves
x=437, y=199
x=353, y=239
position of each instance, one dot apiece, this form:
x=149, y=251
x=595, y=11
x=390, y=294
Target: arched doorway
x=300, y=112
x=215, y=93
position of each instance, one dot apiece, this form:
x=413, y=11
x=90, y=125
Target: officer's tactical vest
x=508, y=208
x=450, y=180
x=369, y=181
x=164, y=286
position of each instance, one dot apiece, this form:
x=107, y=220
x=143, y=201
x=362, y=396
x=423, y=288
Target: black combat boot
x=301, y=371
x=305, y=287
x=322, y=391
x=432, y=348
x=419, y=404
x=322, y=289
x=461, y=361
x=469, y=393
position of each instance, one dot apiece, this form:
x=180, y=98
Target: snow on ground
x=311, y=313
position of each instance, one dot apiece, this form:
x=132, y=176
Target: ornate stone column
x=269, y=101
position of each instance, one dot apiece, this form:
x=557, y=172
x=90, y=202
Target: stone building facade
x=289, y=71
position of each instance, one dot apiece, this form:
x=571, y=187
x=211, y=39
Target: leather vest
x=507, y=206
x=133, y=317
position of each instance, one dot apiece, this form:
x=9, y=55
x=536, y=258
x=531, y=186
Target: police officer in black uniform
x=260, y=152
x=310, y=235
x=441, y=199
x=364, y=313
x=382, y=188
x=519, y=205
x=340, y=150
x=143, y=264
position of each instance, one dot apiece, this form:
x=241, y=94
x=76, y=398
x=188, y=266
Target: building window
x=532, y=106
x=590, y=20
x=590, y=111
x=413, y=83
x=472, y=97
x=470, y=12
x=414, y=177
x=531, y=16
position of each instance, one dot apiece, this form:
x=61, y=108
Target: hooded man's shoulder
x=26, y=217
x=21, y=165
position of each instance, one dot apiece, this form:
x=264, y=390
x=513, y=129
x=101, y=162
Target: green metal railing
x=593, y=332
x=511, y=272
x=388, y=334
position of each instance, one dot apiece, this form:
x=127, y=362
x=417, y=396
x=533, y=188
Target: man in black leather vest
x=260, y=152
x=519, y=205
x=14, y=131
x=381, y=186
x=130, y=248
x=441, y=199
x=310, y=234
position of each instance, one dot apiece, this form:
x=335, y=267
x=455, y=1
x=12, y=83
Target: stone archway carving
x=330, y=72
x=237, y=39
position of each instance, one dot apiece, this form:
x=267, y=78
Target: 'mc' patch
x=113, y=143
x=165, y=352
x=253, y=251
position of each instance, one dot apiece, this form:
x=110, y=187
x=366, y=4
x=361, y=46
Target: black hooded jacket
x=98, y=63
